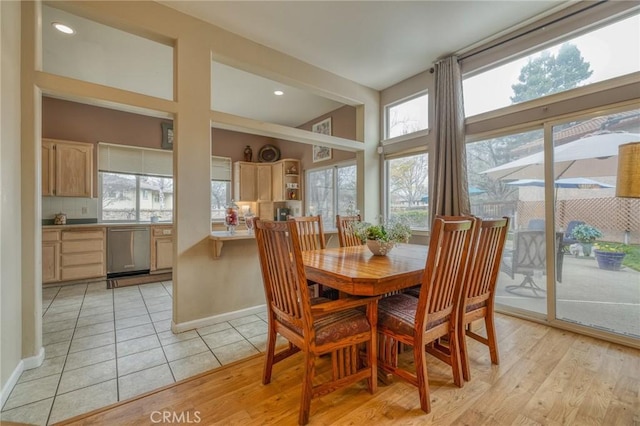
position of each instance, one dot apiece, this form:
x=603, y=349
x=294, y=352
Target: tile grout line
x=55, y=395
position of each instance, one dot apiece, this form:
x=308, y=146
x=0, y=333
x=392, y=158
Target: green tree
x=547, y=74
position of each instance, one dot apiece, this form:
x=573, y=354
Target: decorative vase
x=586, y=249
x=611, y=261
x=248, y=154
x=380, y=248
x=231, y=217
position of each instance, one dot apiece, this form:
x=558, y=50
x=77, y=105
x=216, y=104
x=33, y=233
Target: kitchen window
x=122, y=197
x=330, y=191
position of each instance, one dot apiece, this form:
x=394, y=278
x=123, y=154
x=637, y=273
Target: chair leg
x=419, y=355
x=454, y=350
x=307, y=387
x=490, y=325
x=464, y=355
x=270, y=351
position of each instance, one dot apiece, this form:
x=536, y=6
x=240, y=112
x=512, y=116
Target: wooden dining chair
x=478, y=294
x=421, y=322
x=310, y=232
x=334, y=327
x=346, y=235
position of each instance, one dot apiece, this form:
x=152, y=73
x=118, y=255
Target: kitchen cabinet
x=50, y=256
x=244, y=179
x=82, y=253
x=67, y=168
x=161, y=247
x=286, y=180
x=252, y=181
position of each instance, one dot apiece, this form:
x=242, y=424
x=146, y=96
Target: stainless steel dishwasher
x=128, y=250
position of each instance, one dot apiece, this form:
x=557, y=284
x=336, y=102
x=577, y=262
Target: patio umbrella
x=595, y=155
x=579, y=183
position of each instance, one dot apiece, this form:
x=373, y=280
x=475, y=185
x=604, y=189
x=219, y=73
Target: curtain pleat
x=449, y=190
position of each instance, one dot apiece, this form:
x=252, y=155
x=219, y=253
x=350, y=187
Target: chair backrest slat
x=346, y=235
x=488, y=244
x=282, y=274
x=310, y=232
x=449, y=248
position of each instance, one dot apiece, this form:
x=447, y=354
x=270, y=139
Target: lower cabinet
x=73, y=254
x=83, y=254
x=161, y=247
x=50, y=256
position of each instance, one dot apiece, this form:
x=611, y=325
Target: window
x=135, y=183
x=407, y=116
x=408, y=190
x=220, y=186
x=331, y=191
x=605, y=53
x=122, y=197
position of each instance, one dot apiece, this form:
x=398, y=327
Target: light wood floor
x=546, y=377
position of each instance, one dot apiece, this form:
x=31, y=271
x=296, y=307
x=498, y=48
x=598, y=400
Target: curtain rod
x=537, y=28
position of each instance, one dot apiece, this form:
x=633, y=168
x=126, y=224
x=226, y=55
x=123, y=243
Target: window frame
x=386, y=186
x=329, y=223
x=387, y=109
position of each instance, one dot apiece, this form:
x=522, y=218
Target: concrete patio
x=587, y=295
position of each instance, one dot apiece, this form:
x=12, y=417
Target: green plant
x=396, y=232
x=612, y=247
x=586, y=233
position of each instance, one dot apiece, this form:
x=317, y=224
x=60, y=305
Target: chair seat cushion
x=335, y=326
x=340, y=325
x=398, y=312
x=475, y=306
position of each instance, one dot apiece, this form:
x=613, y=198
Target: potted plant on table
x=610, y=255
x=586, y=235
x=380, y=239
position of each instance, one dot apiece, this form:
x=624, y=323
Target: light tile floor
x=104, y=346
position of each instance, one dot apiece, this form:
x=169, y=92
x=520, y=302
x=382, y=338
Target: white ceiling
x=374, y=43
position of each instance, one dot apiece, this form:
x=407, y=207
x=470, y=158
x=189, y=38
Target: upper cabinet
x=252, y=181
x=286, y=180
x=67, y=168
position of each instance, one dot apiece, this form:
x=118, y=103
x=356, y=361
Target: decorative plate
x=269, y=154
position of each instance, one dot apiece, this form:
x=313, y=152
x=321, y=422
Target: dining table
x=357, y=271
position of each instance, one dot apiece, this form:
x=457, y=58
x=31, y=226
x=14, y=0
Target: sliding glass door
x=600, y=283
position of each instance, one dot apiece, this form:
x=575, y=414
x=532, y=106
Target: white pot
x=380, y=248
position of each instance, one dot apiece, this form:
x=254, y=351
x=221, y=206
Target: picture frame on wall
x=167, y=136
x=323, y=127
x=321, y=153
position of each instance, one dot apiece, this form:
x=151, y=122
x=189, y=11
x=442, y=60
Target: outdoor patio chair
x=340, y=328
x=527, y=257
x=568, y=239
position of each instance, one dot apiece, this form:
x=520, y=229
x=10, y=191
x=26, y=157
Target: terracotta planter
x=380, y=248
x=611, y=261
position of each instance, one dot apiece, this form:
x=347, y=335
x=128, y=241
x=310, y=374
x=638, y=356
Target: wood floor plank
x=546, y=377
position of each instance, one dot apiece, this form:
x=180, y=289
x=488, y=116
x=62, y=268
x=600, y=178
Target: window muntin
x=408, y=190
x=330, y=191
x=407, y=116
x=611, y=51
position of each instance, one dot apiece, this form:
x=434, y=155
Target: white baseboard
x=215, y=319
x=24, y=364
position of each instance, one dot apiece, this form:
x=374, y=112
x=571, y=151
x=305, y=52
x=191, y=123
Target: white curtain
x=449, y=190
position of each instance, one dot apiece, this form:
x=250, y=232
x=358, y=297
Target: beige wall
x=203, y=287
x=10, y=246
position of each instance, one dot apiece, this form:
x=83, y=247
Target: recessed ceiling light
x=278, y=93
x=63, y=28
